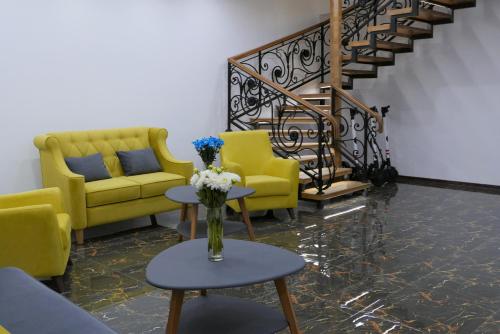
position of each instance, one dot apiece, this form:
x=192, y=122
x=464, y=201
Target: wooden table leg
x=182, y=218
x=286, y=304
x=246, y=218
x=194, y=220
x=174, y=315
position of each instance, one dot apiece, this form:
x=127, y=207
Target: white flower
x=214, y=179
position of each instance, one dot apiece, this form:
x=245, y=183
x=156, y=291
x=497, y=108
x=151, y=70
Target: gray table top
x=185, y=266
x=187, y=194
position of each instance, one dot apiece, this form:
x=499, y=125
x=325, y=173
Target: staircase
x=284, y=87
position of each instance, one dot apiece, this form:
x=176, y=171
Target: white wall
x=86, y=64
x=445, y=121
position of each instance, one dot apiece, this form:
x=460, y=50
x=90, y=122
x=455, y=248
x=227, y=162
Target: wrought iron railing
x=257, y=102
x=294, y=60
x=359, y=141
x=260, y=85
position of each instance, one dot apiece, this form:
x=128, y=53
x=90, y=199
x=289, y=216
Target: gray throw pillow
x=139, y=162
x=91, y=167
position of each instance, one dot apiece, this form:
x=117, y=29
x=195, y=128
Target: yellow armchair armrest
x=235, y=168
x=55, y=173
x=158, y=138
x=31, y=240
x=286, y=168
x=50, y=196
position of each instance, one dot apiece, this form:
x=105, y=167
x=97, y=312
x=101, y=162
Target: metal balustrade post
x=323, y=60
x=366, y=120
x=260, y=72
x=229, y=70
x=321, y=151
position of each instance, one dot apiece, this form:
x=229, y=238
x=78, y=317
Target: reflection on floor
x=405, y=259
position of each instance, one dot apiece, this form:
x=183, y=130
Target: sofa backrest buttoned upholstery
x=106, y=142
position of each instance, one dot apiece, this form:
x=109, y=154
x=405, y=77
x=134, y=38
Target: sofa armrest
x=31, y=239
x=158, y=139
x=55, y=173
x=235, y=168
x=51, y=196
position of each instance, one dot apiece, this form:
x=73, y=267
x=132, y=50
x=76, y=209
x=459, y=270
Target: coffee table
x=186, y=195
x=185, y=267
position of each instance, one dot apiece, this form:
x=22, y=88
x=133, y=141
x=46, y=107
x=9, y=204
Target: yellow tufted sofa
x=121, y=197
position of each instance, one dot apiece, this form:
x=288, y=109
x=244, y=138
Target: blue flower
x=204, y=143
x=207, y=148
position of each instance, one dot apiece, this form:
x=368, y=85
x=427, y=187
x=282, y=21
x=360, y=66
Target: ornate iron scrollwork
x=292, y=63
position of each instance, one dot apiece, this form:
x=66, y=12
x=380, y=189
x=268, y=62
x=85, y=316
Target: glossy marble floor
x=404, y=259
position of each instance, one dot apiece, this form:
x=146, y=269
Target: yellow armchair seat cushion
x=64, y=223
x=110, y=191
x=266, y=185
x=156, y=184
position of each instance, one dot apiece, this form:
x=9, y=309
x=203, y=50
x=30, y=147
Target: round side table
x=186, y=195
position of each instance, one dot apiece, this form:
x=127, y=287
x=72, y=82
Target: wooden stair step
x=325, y=85
x=454, y=4
x=335, y=190
x=312, y=157
x=270, y=120
x=424, y=14
x=395, y=47
x=317, y=96
x=283, y=147
x=402, y=31
x=339, y=172
x=374, y=60
x=360, y=73
x=289, y=108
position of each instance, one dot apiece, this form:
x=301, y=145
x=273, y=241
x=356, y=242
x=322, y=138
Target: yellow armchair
x=276, y=180
x=120, y=197
x=35, y=233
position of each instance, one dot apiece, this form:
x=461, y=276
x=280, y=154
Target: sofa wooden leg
x=70, y=262
x=291, y=213
x=59, y=283
x=79, y=237
x=154, y=222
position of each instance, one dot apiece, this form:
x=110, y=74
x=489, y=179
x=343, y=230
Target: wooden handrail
x=282, y=90
x=286, y=38
x=278, y=41
x=234, y=60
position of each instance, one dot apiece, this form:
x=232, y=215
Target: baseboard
x=457, y=185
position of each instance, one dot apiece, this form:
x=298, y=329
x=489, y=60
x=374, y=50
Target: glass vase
x=215, y=234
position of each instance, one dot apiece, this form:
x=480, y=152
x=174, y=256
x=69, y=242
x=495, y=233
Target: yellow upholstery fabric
x=266, y=185
x=80, y=198
x=64, y=224
x=156, y=184
x=105, y=214
x=34, y=232
x=109, y=191
x=3, y=330
x=249, y=154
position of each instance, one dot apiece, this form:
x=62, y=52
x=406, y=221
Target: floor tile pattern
x=407, y=259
